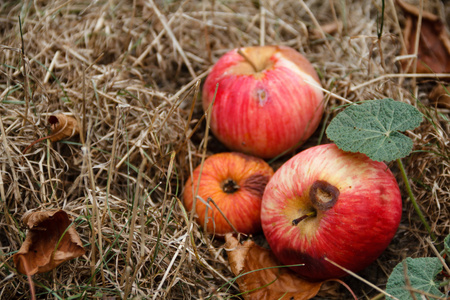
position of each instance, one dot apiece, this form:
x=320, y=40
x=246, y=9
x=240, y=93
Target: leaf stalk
x=413, y=199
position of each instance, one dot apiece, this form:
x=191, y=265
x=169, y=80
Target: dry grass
x=128, y=71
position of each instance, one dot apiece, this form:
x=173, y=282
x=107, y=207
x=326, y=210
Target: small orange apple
x=236, y=183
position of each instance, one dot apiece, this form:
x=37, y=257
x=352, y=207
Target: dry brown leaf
x=266, y=284
x=439, y=96
x=63, y=127
x=43, y=248
x=434, y=45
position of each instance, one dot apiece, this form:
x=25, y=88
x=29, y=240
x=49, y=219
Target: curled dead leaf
x=264, y=282
x=440, y=96
x=434, y=44
x=63, y=126
x=49, y=242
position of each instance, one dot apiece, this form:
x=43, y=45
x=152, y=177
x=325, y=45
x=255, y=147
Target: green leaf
x=447, y=244
x=373, y=128
x=421, y=273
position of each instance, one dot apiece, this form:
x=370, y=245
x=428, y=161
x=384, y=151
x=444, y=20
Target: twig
x=262, y=30
x=154, y=42
x=208, y=114
x=360, y=278
x=314, y=83
x=112, y=160
x=52, y=66
x=87, y=157
x=397, y=25
x=416, y=45
x=180, y=50
x=136, y=202
x=8, y=155
x=169, y=267
x=438, y=255
x=345, y=285
x=26, y=82
x=218, y=209
x=407, y=280
x=319, y=28
x=415, y=75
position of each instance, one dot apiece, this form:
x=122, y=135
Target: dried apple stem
x=247, y=59
x=413, y=199
x=298, y=220
x=230, y=186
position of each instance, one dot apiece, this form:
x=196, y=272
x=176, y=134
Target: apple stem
x=298, y=220
x=230, y=186
x=247, y=59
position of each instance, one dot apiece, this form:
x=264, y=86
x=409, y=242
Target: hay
x=130, y=72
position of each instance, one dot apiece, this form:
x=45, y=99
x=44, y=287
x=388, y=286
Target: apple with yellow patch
x=268, y=100
x=327, y=203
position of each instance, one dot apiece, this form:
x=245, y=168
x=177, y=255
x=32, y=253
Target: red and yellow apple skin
x=236, y=183
x=267, y=111
x=354, y=206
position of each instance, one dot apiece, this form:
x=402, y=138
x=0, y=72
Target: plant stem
x=298, y=220
x=378, y=297
x=413, y=199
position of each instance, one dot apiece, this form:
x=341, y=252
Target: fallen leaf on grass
x=62, y=127
x=434, y=45
x=47, y=244
x=265, y=282
x=440, y=96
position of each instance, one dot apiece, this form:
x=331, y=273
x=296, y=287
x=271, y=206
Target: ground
x=131, y=72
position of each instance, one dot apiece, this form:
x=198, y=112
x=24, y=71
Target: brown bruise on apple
x=322, y=197
x=256, y=184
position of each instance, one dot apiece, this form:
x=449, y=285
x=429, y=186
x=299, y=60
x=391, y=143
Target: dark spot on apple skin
x=323, y=195
x=262, y=96
x=314, y=265
x=256, y=184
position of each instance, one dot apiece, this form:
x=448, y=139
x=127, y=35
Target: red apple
x=325, y=202
x=263, y=105
x=236, y=183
